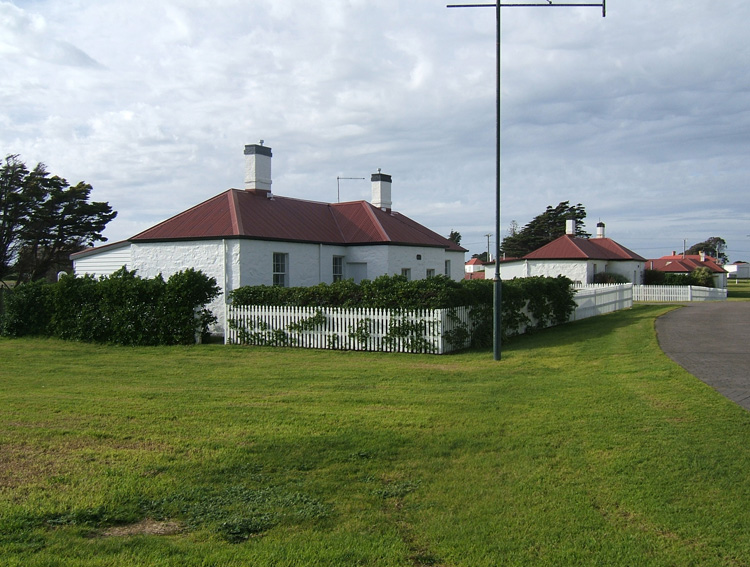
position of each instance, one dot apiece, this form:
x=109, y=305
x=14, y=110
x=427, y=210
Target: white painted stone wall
x=631, y=270
x=239, y=262
x=308, y=264
x=582, y=271
x=457, y=261
x=167, y=258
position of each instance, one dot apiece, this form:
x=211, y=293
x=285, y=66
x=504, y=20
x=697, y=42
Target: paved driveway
x=711, y=340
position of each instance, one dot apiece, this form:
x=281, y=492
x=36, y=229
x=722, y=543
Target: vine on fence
x=528, y=304
x=362, y=332
x=401, y=332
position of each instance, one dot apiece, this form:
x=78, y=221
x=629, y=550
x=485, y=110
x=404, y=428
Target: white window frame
x=337, y=266
x=280, y=269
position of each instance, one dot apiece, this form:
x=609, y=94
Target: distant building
x=474, y=269
x=579, y=259
x=738, y=270
x=687, y=263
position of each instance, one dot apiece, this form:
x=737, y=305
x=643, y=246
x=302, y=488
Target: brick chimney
x=258, y=168
x=381, y=191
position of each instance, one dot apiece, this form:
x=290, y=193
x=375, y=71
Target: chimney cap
x=258, y=149
x=381, y=177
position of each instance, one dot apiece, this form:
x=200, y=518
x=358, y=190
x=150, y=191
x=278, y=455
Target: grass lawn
x=585, y=445
x=738, y=290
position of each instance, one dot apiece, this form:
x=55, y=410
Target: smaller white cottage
x=576, y=258
x=252, y=236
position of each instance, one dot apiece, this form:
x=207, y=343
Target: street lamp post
x=497, y=282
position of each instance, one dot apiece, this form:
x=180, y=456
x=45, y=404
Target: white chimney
x=570, y=227
x=600, y=229
x=258, y=167
x=381, y=191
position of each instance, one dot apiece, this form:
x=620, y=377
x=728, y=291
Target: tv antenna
x=338, y=186
x=498, y=294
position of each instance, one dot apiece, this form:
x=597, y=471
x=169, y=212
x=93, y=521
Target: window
x=448, y=268
x=338, y=268
x=280, y=262
x=430, y=273
x=406, y=272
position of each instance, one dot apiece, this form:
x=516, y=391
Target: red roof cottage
x=251, y=236
x=687, y=263
x=579, y=259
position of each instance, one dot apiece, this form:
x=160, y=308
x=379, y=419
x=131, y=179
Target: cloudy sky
x=643, y=116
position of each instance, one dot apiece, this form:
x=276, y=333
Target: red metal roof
x=680, y=264
x=569, y=247
x=254, y=214
x=474, y=276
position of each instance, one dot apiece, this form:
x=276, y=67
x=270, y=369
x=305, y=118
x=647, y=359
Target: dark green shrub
x=653, y=277
x=27, y=310
x=549, y=300
x=120, y=309
x=610, y=278
x=702, y=276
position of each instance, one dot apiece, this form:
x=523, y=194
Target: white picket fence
x=677, y=293
x=646, y=293
x=433, y=331
x=598, y=299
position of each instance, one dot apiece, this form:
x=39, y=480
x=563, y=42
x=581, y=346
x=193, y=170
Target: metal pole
x=497, y=307
x=497, y=282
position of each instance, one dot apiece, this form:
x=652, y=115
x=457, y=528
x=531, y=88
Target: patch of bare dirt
x=145, y=527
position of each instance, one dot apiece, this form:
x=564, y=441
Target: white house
x=738, y=270
x=579, y=259
x=254, y=237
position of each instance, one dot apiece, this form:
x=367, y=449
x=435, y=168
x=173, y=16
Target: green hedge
x=549, y=300
x=119, y=309
x=700, y=276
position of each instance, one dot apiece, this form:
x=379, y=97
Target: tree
x=455, y=236
x=43, y=220
x=702, y=276
x=20, y=193
x=714, y=246
x=543, y=229
x=482, y=256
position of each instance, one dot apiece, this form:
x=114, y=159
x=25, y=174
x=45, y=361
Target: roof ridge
x=234, y=214
x=378, y=226
x=336, y=221
x=573, y=238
